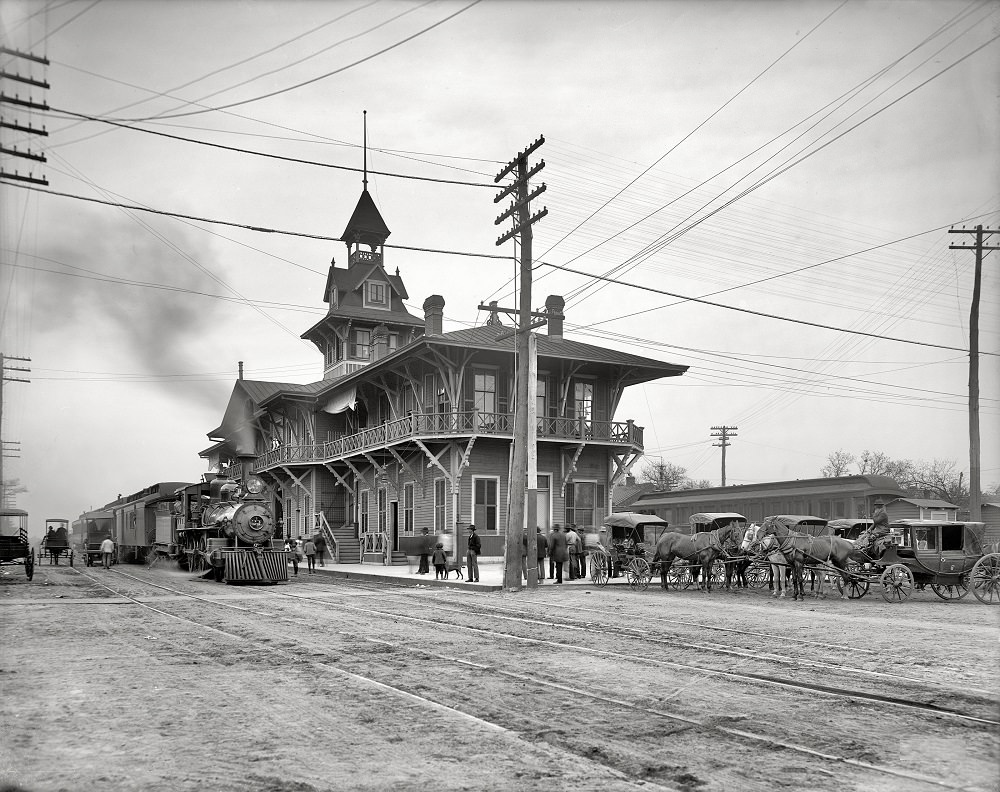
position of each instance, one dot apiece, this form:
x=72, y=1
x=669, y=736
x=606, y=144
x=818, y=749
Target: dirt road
x=139, y=679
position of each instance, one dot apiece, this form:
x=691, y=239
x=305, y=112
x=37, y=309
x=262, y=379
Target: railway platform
x=490, y=575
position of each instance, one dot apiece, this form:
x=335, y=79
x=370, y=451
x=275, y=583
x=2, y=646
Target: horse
x=799, y=548
x=754, y=546
x=738, y=562
x=706, y=547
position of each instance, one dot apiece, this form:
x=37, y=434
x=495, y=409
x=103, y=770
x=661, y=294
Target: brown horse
x=706, y=547
x=800, y=549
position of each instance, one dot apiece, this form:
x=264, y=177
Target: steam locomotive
x=218, y=526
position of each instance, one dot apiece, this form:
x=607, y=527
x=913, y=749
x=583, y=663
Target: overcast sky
x=790, y=162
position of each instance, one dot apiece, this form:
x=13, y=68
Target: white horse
x=753, y=545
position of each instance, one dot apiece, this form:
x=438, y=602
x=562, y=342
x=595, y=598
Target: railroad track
x=675, y=721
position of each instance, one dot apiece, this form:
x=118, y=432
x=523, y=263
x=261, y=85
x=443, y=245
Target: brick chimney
x=554, y=305
x=434, y=315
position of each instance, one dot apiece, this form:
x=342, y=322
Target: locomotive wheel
x=857, y=584
x=638, y=574
x=897, y=583
x=984, y=580
x=954, y=591
x=599, y=569
x=29, y=564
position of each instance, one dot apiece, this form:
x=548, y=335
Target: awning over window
x=341, y=401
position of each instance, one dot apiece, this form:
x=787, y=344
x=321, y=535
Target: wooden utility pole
x=524, y=488
x=975, y=496
x=15, y=60
x=4, y=368
x=723, y=433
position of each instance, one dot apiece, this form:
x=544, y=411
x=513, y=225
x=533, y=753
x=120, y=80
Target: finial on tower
x=366, y=148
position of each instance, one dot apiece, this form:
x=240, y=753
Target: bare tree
x=878, y=463
x=665, y=475
x=939, y=479
x=695, y=484
x=838, y=463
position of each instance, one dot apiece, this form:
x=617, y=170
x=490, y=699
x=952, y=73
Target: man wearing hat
x=472, y=560
x=880, y=529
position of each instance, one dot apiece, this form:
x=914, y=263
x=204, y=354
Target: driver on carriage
x=874, y=541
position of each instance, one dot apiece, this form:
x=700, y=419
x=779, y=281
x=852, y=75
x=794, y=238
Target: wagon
x=55, y=544
x=622, y=550
x=14, y=547
x=946, y=556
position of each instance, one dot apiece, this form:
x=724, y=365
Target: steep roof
x=366, y=224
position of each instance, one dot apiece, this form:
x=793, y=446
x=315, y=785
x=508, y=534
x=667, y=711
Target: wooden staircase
x=348, y=546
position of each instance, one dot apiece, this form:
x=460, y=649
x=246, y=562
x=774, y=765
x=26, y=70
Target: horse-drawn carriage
x=945, y=556
x=711, y=537
x=619, y=549
x=55, y=544
x=14, y=547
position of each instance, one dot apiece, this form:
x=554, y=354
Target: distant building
x=828, y=498
x=412, y=427
x=920, y=509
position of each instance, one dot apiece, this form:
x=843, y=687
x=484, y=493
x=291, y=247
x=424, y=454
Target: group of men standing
x=563, y=547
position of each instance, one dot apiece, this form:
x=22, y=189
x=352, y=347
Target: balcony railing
x=449, y=425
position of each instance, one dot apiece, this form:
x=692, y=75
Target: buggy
x=14, y=547
x=619, y=549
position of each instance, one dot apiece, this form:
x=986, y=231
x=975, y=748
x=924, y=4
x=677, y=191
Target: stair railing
x=322, y=527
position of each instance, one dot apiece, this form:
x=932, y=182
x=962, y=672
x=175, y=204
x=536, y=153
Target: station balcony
x=625, y=436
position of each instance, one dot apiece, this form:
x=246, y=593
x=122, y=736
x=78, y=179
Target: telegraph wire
x=686, y=298
x=760, y=313
x=265, y=154
x=714, y=113
x=311, y=80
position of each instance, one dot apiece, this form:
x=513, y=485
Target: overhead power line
x=266, y=155
x=760, y=313
x=313, y=79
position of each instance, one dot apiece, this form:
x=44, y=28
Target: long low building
x=828, y=498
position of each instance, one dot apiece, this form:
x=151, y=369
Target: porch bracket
x=340, y=479
x=569, y=470
x=435, y=461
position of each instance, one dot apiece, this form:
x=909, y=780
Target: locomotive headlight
x=255, y=485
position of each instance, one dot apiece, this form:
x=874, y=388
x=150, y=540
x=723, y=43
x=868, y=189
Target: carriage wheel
x=757, y=576
x=638, y=574
x=857, y=584
x=984, y=580
x=599, y=569
x=675, y=577
x=718, y=573
x=954, y=591
x=897, y=583
x=29, y=564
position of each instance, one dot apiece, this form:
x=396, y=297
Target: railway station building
x=412, y=427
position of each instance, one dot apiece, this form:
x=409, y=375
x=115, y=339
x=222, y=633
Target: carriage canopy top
x=719, y=518
x=632, y=520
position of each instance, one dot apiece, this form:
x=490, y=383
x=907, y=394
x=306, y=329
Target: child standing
x=440, y=561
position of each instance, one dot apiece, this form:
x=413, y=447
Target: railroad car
x=142, y=523
x=827, y=498
x=88, y=531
